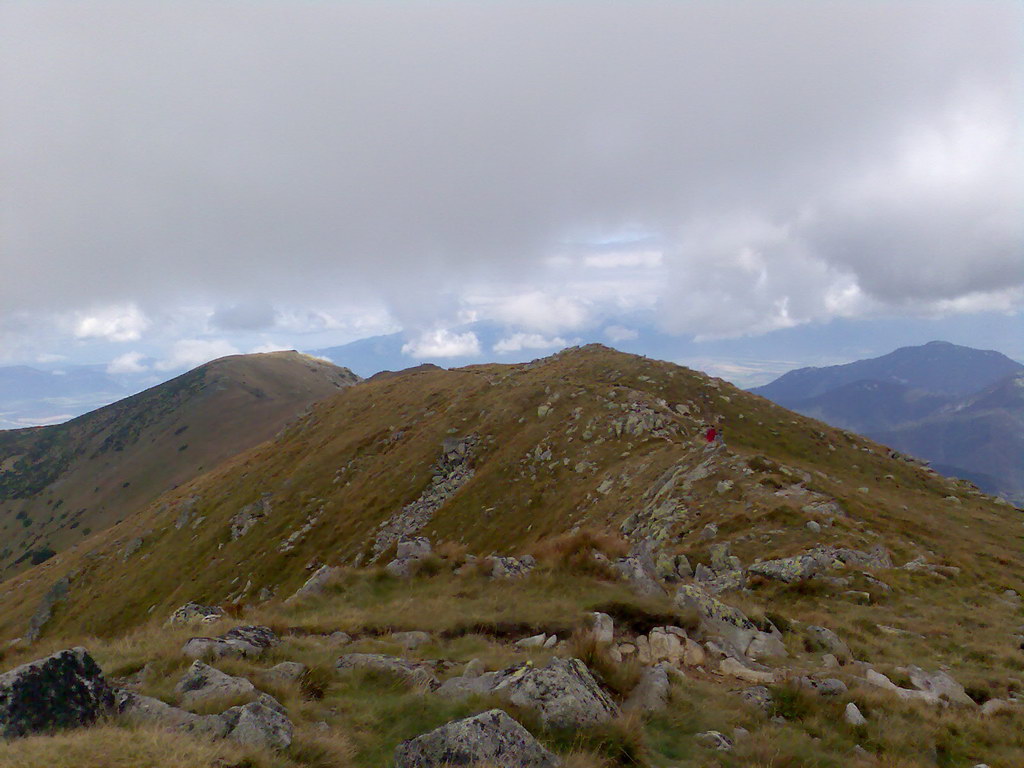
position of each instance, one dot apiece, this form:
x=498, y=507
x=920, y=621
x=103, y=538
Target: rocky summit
x=531, y=565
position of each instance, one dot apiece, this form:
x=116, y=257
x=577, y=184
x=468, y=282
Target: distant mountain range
x=960, y=408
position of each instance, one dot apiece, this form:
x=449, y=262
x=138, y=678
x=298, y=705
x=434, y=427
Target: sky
x=761, y=181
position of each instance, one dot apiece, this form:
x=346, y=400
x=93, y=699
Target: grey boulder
x=202, y=682
x=413, y=673
x=246, y=642
x=491, y=738
x=65, y=690
x=563, y=693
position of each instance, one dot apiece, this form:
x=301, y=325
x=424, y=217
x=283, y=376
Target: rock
x=830, y=686
x=411, y=672
x=758, y=696
x=650, y=694
x=813, y=526
x=144, y=710
x=551, y=642
x=490, y=738
x=64, y=690
x=829, y=661
x=246, y=642
x=194, y=613
x=511, y=567
x=709, y=532
x=717, y=618
x=994, y=707
x=339, y=638
x=131, y=548
x=940, y=684
x=766, y=645
x=665, y=646
x=693, y=653
x=260, y=726
x=535, y=641
x=57, y=594
x=285, y=672
x=243, y=520
x=921, y=566
x=474, y=668
x=316, y=583
x=470, y=685
x=202, y=682
x=879, y=680
x=564, y=694
x=734, y=668
x=828, y=640
x=639, y=570
x=853, y=716
x=788, y=569
x=714, y=740
x=411, y=640
x=720, y=562
x=601, y=627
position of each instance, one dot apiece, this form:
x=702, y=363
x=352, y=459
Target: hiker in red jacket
x=711, y=434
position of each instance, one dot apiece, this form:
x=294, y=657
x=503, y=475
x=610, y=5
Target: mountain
x=868, y=405
x=62, y=482
x=938, y=368
x=31, y=396
x=979, y=437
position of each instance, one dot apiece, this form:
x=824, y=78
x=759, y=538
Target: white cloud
x=115, y=323
x=618, y=259
x=269, y=346
x=618, y=333
x=442, y=343
x=520, y=341
x=189, y=353
x=129, y=362
x=539, y=311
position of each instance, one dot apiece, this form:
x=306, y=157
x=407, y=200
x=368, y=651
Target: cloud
x=520, y=341
x=250, y=316
x=129, y=362
x=733, y=172
x=442, y=343
x=189, y=353
x=617, y=333
x=115, y=323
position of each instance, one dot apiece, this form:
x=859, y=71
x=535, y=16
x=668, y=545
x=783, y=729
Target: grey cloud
x=249, y=316
x=163, y=152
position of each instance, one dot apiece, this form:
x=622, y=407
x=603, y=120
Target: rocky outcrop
x=65, y=690
x=411, y=672
x=490, y=738
x=246, y=642
x=243, y=520
x=512, y=567
x=194, y=613
x=787, y=569
x=651, y=692
x=638, y=568
x=258, y=725
x=55, y=595
x=450, y=472
x=934, y=688
x=717, y=618
x=829, y=641
x=145, y=710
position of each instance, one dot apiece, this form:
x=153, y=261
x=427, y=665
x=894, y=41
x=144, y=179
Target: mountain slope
x=867, y=406
x=61, y=482
x=937, y=367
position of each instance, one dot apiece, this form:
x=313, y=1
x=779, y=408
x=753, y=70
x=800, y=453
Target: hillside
x=839, y=566
x=60, y=483
x=937, y=367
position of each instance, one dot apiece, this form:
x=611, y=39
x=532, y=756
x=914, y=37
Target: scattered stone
x=474, y=668
x=788, y=569
x=813, y=526
x=491, y=738
x=246, y=642
x=941, y=685
x=416, y=674
x=994, y=707
x=601, y=627
x=258, y=725
x=714, y=740
x=339, y=638
x=145, y=710
x=411, y=640
x=830, y=686
x=651, y=692
x=564, y=694
x=535, y=641
x=57, y=594
x=829, y=661
x=64, y=690
x=758, y=696
x=828, y=640
x=512, y=567
x=243, y=520
x=315, y=584
x=131, y=548
x=285, y=672
x=709, y=532
x=853, y=716
x=919, y=565
x=717, y=618
x=734, y=668
x=766, y=645
x=194, y=613
x=202, y=682
x=639, y=570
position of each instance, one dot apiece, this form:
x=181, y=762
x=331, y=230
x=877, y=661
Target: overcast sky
x=179, y=180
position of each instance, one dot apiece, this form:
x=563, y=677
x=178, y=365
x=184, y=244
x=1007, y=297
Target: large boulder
x=64, y=690
x=787, y=569
x=145, y=710
x=563, y=693
x=258, y=725
x=316, y=583
x=245, y=642
x=490, y=738
x=829, y=641
x=651, y=692
x=639, y=569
